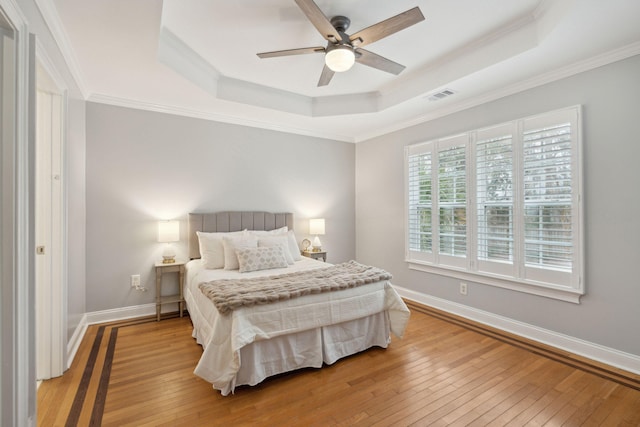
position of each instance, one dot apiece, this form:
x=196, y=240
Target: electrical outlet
x=463, y=288
x=135, y=281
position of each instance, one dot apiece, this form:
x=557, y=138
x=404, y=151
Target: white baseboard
x=610, y=356
x=112, y=315
x=123, y=313
x=76, y=339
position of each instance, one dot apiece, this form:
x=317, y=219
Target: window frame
x=517, y=275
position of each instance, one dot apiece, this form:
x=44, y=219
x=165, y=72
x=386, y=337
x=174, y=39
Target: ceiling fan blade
x=387, y=27
x=376, y=61
x=319, y=20
x=289, y=52
x=326, y=76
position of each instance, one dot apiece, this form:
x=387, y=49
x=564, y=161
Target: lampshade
x=340, y=58
x=316, y=226
x=168, y=231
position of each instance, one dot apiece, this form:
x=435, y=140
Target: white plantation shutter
x=495, y=199
x=550, y=189
x=452, y=200
x=420, y=228
x=547, y=196
x=505, y=207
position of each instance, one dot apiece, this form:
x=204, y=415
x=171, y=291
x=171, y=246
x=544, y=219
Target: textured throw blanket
x=230, y=294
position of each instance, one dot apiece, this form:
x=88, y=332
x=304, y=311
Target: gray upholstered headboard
x=233, y=221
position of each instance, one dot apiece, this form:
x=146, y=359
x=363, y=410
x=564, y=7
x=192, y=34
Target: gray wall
x=609, y=313
x=144, y=166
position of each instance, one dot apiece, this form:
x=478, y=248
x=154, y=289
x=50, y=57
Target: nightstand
x=315, y=255
x=162, y=268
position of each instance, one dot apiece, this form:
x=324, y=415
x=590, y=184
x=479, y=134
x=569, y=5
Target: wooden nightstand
x=161, y=268
x=315, y=255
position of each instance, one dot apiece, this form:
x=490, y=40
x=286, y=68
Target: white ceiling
x=198, y=57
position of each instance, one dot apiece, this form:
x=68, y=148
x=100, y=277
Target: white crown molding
x=47, y=64
x=567, y=71
x=542, y=79
x=174, y=53
x=52, y=20
x=610, y=356
x=179, y=111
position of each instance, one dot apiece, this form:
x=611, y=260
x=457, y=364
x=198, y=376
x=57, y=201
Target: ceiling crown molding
x=206, y=115
x=622, y=53
x=53, y=22
x=616, y=55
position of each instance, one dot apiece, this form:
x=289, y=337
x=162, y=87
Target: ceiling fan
x=343, y=50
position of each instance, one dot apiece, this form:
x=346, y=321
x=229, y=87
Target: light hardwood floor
x=445, y=371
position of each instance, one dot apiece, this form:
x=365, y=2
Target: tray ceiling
x=198, y=58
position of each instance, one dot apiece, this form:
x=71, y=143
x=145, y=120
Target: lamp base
x=168, y=255
x=316, y=245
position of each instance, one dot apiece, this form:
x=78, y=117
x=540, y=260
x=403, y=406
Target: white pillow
x=211, y=249
x=232, y=244
x=262, y=233
x=282, y=241
x=261, y=258
x=294, y=249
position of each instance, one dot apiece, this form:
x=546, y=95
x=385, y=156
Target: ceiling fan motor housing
x=340, y=23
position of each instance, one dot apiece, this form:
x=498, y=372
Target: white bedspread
x=223, y=336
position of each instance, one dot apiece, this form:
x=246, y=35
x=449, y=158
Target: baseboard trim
x=122, y=313
x=76, y=339
x=575, y=349
x=112, y=315
x=574, y=346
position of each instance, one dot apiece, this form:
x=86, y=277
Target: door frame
x=17, y=337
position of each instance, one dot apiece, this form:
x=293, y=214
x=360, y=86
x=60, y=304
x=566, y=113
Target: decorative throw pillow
x=232, y=244
x=211, y=249
x=261, y=258
x=282, y=241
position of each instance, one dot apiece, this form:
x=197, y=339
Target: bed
x=248, y=344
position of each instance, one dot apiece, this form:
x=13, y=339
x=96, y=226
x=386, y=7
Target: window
x=500, y=205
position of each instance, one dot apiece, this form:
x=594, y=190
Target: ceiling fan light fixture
x=340, y=58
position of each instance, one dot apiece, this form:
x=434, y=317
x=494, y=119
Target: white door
x=50, y=289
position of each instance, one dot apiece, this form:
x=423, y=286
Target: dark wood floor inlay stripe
x=81, y=393
x=101, y=394
x=447, y=370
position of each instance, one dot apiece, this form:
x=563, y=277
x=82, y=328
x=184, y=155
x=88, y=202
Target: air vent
x=440, y=95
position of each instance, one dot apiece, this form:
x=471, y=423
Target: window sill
x=540, y=289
